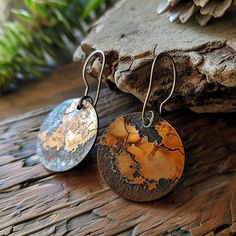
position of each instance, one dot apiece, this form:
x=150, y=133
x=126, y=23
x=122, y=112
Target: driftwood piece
x=34, y=201
x=132, y=33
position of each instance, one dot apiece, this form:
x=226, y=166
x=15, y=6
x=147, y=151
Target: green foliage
x=46, y=29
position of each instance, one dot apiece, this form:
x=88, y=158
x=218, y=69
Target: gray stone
x=132, y=33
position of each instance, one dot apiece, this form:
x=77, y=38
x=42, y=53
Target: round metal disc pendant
x=138, y=163
x=67, y=135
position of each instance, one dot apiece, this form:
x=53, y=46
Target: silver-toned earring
x=69, y=131
x=140, y=155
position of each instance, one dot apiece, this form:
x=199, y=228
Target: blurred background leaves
x=41, y=34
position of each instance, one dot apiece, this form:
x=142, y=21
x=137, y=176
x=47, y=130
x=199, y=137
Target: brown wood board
x=63, y=83
x=34, y=201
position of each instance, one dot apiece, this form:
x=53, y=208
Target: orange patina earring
x=140, y=155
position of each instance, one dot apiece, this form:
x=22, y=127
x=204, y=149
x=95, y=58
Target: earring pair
x=140, y=155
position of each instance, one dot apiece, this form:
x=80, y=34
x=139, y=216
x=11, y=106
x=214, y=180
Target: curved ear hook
x=150, y=87
x=99, y=78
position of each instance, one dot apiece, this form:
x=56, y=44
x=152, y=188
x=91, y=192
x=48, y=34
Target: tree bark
x=132, y=33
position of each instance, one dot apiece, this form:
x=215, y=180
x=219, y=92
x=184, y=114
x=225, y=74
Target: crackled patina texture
x=67, y=135
x=141, y=164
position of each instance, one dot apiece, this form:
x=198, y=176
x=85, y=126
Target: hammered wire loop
x=94, y=102
x=150, y=87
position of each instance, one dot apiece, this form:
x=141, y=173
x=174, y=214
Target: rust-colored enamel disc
x=67, y=135
x=138, y=163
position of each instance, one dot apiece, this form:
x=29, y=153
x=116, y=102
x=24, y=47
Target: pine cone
x=204, y=10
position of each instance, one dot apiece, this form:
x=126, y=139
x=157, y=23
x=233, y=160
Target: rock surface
x=131, y=34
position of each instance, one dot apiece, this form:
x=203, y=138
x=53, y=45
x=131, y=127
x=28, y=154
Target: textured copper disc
x=67, y=135
x=138, y=163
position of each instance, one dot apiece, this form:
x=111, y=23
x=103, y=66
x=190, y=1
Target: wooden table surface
x=63, y=83
x=34, y=201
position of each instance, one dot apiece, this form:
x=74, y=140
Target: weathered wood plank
x=34, y=201
x=64, y=82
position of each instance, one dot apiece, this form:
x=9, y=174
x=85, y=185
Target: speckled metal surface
x=138, y=163
x=67, y=135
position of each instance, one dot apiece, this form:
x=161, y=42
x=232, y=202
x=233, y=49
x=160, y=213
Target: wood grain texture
x=63, y=83
x=132, y=33
x=34, y=201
